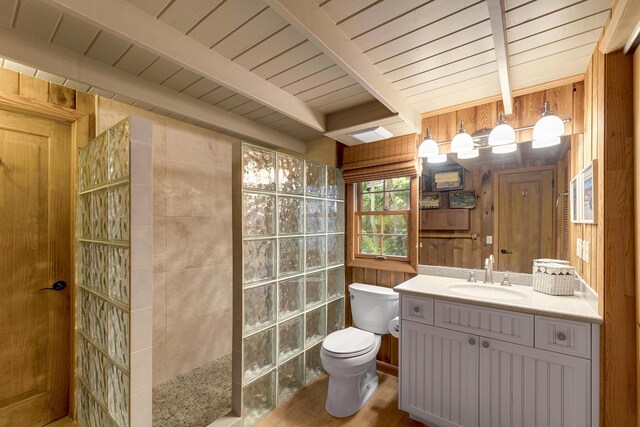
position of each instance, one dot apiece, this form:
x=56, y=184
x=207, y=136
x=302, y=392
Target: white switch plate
x=585, y=250
x=489, y=240
x=579, y=248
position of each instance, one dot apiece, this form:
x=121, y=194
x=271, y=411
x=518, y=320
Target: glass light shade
x=503, y=149
x=548, y=127
x=428, y=148
x=471, y=154
x=438, y=158
x=503, y=134
x=462, y=143
x=548, y=142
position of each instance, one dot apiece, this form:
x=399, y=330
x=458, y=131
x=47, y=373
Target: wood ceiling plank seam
x=232, y=102
x=510, y=5
x=270, y=48
x=136, y=60
x=480, y=70
x=108, y=49
x=339, y=9
x=191, y=85
x=14, y=15
x=246, y=108
x=434, y=31
x=598, y=19
x=172, y=75
x=150, y=7
x=239, y=27
x=122, y=55
x=451, y=67
x=259, y=113
x=55, y=28
x=92, y=42
x=567, y=54
x=299, y=71
x=358, y=12
x=533, y=10
x=439, y=47
x=148, y=66
x=348, y=102
x=181, y=80
x=183, y=14
x=278, y=124
x=75, y=34
x=523, y=77
x=165, y=8
x=558, y=18
x=384, y=14
x=561, y=46
x=315, y=73
x=448, y=98
x=326, y=76
x=262, y=40
x=410, y=33
x=37, y=19
x=344, y=92
x=205, y=16
x=440, y=58
x=328, y=88
x=269, y=118
x=584, y=25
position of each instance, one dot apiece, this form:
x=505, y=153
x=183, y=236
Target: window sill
x=387, y=265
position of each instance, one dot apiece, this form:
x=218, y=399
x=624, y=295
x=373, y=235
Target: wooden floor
x=306, y=408
x=63, y=422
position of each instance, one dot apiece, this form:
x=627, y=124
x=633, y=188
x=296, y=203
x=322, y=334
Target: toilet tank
x=373, y=307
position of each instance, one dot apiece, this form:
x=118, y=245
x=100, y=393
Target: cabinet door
x=522, y=386
x=439, y=375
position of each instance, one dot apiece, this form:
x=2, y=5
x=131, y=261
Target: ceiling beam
x=498, y=29
x=313, y=23
x=122, y=19
x=54, y=59
x=624, y=18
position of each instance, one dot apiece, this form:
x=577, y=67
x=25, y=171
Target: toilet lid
x=349, y=342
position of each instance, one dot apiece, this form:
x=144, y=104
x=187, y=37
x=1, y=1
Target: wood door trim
x=496, y=199
x=20, y=104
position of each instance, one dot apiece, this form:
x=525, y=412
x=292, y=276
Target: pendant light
x=543, y=143
x=504, y=149
x=428, y=147
x=438, y=158
x=548, y=127
x=503, y=133
x=471, y=154
x=462, y=142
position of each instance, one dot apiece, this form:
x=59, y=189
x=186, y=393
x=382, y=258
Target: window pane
x=395, y=224
x=395, y=245
x=397, y=183
x=370, y=224
x=372, y=202
x=370, y=244
x=369, y=186
x=397, y=200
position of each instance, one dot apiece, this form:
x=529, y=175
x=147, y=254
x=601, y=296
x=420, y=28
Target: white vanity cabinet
x=465, y=365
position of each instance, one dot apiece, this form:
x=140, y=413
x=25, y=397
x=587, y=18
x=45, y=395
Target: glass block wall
x=113, y=282
x=290, y=282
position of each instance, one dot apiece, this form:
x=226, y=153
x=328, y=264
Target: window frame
x=408, y=264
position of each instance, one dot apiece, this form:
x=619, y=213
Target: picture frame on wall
x=589, y=194
x=430, y=200
x=463, y=199
x=574, y=199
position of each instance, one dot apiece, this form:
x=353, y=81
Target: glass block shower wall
x=291, y=234
x=114, y=275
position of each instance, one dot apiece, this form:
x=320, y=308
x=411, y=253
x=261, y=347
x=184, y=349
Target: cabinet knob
x=561, y=336
x=472, y=341
x=485, y=344
x=416, y=309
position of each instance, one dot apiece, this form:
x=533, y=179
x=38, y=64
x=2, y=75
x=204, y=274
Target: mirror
x=514, y=206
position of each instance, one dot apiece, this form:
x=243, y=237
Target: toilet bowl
x=349, y=355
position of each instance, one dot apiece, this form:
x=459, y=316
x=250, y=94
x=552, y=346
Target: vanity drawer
x=487, y=322
x=417, y=309
x=563, y=336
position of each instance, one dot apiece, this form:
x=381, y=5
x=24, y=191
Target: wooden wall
x=566, y=101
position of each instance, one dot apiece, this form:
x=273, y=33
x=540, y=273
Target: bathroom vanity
x=483, y=355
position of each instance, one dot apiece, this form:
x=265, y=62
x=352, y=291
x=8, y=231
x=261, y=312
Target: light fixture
x=503, y=149
x=428, y=147
x=462, y=142
x=549, y=126
x=438, y=158
x=503, y=133
x=372, y=134
x=543, y=143
x=471, y=154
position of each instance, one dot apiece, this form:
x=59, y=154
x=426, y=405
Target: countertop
x=574, y=307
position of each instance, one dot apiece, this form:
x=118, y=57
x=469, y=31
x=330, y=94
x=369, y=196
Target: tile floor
x=306, y=408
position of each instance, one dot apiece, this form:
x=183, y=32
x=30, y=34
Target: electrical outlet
x=585, y=250
x=489, y=240
x=579, y=248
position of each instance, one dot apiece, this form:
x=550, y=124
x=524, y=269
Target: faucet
x=488, y=270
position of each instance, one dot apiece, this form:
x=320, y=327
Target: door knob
x=472, y=341
x=505, y=251
x=485, y=344
x=57, y=286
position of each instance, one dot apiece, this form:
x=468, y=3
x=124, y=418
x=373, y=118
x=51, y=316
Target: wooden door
x=524, y=219
x=439, y=375
x=523, y=386
x=35, y=248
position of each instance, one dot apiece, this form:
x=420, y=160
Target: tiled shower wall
x=288, y=273
x=114, y=277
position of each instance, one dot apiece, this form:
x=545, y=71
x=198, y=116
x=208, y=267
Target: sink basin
x=487, y=291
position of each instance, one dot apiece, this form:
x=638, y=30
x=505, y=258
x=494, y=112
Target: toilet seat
x=349, y=342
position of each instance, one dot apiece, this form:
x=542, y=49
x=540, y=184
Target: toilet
x=349, y=355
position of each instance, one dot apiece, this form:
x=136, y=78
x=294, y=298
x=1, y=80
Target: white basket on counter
x=553, y=277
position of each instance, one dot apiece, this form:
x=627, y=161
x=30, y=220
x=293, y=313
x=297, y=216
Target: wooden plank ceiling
x=437, y=53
